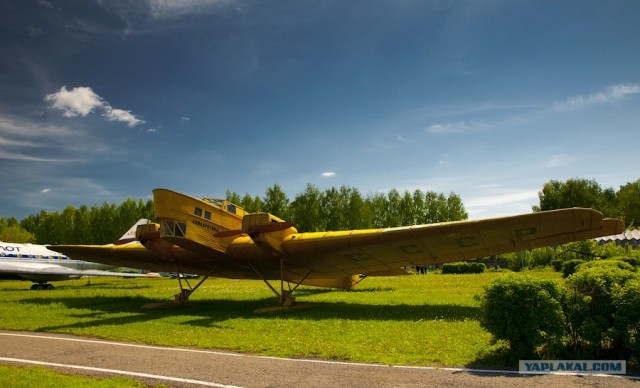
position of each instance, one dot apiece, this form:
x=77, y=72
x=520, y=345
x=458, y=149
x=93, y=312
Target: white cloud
x=559, y=160
x=612, y=93
x=45, y=190
x=508, y=204
x=161, y=9
x=18, y=143
x=328, y=174
x=503, y=199
x=403, y=139
x=27, y=140
x=7, y=155
x=77, y=101
x=125, y=116
x=459, y=127
x=82, y=100
x=12, y=127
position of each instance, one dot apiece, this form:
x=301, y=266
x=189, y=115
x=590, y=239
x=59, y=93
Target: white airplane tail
x=130, y=235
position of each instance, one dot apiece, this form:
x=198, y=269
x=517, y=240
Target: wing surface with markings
x=340, y=254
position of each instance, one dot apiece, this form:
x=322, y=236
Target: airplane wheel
x=36, y=287
x=47, y=286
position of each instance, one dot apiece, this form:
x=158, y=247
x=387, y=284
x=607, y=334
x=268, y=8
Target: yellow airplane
x=215, y=237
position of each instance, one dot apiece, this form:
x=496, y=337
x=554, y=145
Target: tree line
x=312, y=210
x=335, y=208
x=85, y=225
x=623, y=204
x=345, y=208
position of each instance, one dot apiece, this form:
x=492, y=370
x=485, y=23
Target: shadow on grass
x=206, y=313
x=307, y=291
x=497, y=356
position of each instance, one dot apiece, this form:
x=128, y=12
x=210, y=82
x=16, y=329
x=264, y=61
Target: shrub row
x=593, y=314
x=463, y=267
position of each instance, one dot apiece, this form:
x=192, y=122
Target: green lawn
x=28, y=377
x=412, y=320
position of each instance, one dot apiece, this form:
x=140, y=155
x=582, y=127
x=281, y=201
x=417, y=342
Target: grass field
x=18, y=376
x=412, y=320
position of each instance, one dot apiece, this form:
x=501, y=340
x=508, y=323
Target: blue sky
x=105, y=100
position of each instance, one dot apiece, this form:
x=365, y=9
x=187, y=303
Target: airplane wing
x=382, y=251
x=341, y=255
x=46, y=272
x=130, y=255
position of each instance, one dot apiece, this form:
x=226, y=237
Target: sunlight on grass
x=19, y=376
x=412, y=320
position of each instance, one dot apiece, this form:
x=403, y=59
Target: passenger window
x=207, y=215
x=231, y=208
x=181, y=229
x=198, y=212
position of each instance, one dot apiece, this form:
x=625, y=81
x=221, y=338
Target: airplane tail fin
x=130, y=235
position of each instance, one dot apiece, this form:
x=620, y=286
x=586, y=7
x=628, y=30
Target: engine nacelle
x=267, y=230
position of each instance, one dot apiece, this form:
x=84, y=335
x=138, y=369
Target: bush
x=591, y=310
x=579, y=250
x=541, y=257
x=525, y=312
x=611, y=249
x=627, y=316
x=634, y=261
x=463, y=267
x=570, y=266
x=557, y=265
x=611, y=263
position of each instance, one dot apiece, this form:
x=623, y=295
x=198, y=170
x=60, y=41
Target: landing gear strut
x=284, y=296
x=183, y=296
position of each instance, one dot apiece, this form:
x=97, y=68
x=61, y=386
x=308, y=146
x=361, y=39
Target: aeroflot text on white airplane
x=573, y=366
x=7, y=248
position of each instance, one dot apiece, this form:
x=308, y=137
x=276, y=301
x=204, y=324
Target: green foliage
x=591, y=308
x=35, y=376
x=634, y=261
x=344, y=208
x=611, y=249
x=557, y=265
x=541, y=257
x=305, y=210
x=629, y=203
x=575, y=192
x=463, y=267
x=525, y=312
x=569, y=267
x=95, y=225
x=627, y=316
x=11, y=231
x=593, y=315
x=276, y=202
x=611, y=263
x=589, y=250
x=516, y=261
x=401, y=320
x=334, y=209
x=580, y=250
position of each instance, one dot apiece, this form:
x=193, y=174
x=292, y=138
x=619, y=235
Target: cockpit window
x=213, y=201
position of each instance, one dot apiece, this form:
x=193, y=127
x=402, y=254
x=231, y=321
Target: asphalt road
x=182, y=367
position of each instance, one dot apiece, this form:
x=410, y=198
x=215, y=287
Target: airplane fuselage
x=27, y=261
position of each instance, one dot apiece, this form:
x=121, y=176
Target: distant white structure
x=628, y=237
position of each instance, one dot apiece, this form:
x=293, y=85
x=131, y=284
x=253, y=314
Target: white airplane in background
x=40, y=265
